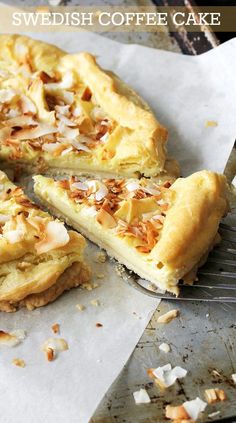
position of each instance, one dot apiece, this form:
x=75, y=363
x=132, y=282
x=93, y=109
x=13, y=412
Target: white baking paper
x=184, y=92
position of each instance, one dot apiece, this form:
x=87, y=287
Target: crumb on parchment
x=95, y=303
x=56, y=328
x=211, y=123
x=80, y=307
x=18, y=362
x=100, y=257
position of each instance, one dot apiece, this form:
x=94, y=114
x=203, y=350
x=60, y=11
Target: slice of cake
x=159, y=229
x=39, y=258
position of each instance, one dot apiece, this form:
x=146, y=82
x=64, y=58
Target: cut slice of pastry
x=39, y=258
x=64, y=114
x=161, y=231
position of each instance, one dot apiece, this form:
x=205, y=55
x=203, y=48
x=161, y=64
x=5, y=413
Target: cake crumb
x=100, y=275
x=90, y=286
x=213, y=395
x=50, y=354
x=168, y=317
x=56, y=328
x=99, y=325
x=211, y=123
x=80, y=307
x=100, y=257
x=95, y=303
x=18, y=362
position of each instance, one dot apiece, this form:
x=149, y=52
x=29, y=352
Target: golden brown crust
x=136, y=145
x=192, y=222
x=74, y=276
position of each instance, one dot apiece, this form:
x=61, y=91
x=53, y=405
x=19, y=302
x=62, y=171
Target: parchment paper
x=184, y=92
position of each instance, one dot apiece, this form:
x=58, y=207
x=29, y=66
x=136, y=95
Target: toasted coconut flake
x=214, y=395
x=66, y=82
x=68, y=133
x=7, y=94
x=164, y=347
x=132, y=186
x=66, y=151
x=56, y=328
x=20, y=121
x=168, y=317
x=63, y=110
x=53, y=346
x=27, y=105
x=79, y=185
x=14, y=236
x=77, y=111
x=64, y=119
x=105, y=219
x=194, y=408
x=98, y=114
x=18, y=362
x=35, y=132
x=4, y=218
x=176, y=413
x=80, y=147
x=56, y=236
x=51, y=147
x=13, y=338
x=141, y=397
x=151, y=189
x=67, y=96
x=102, y=192
x=168, y=376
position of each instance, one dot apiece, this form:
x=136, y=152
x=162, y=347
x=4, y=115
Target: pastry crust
x=161, y=236
x=118, y=132
x=37, y=253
